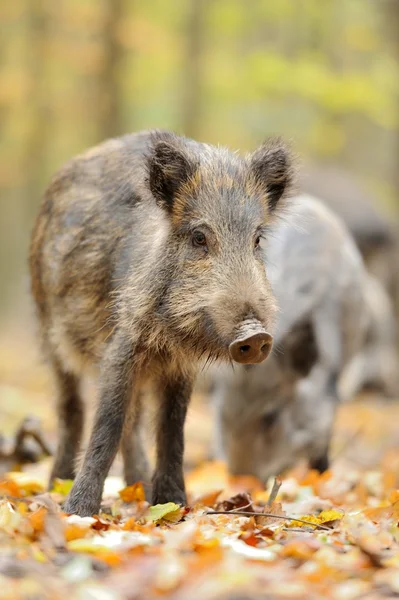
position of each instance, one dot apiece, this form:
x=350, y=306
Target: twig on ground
x=275, y=490
x=256, y=514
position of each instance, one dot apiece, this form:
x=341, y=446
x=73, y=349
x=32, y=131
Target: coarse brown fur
x=122, y=284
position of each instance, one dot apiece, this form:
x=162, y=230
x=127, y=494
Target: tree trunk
x=192, y=69
x=109, y=82
x=38, y=105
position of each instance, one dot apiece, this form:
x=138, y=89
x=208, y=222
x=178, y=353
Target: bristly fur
x=121, y=286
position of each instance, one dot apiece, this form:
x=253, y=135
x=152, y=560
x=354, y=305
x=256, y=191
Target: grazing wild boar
x=371, y=229
x=270, y=415
x=146, y=259
x=375, y=234
x=376, y=363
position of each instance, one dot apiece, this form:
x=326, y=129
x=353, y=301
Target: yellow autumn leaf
x=62, y=486
x=326, y=516
x=10, y=519
x=39, y=556
x=169, y=512
x=86, y=545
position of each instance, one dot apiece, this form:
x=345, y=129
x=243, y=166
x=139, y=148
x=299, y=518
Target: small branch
x=255, y=514
x=275, y=490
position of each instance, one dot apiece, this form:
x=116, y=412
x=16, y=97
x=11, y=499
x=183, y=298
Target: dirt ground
x=347, y=548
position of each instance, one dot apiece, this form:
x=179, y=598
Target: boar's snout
x=251, y=349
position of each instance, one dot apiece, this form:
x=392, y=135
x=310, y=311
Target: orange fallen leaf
x=36, y=519
x=208, y=499
x=214, y=475
x=133, y=525
x=74, y=532
x=100, y=524
x=113, y=559
x=315, y=479
x=9, y=488
x=133, y=493
x=300, y=550
x=27, y=484
x=251, y=539
x=386, y=510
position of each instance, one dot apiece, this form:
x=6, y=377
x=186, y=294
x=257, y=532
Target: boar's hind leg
x=168, y=479
x=115, y=396
x=329, y=340
x=70, y=411
x=135, y=461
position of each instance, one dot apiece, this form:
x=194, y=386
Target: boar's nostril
x=252, y=349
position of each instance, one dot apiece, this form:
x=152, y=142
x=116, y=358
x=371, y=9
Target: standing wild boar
x=270, y=415
x=145, y=259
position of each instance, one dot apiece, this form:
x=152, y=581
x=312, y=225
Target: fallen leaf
x=324, y=518
x=26, y=483
x=111, y=540
x=76, y=527
x=386, y=510
x=133, y=493
x=237, y=502
x=329, y=516
x=36, y=519
x=208, y=499
x=9, y=489
x=251, y=538
x=62, y=486
x=10, y=519
x=301, y=549
x=169, y=512
x=240, y=547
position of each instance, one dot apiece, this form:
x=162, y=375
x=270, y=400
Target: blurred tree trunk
x=109, y=82
x=193, y=68
x=38, y=105
x=392, y=22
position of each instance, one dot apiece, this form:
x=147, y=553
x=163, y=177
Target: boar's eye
x=198, y=239
x=257, y=241
x=269, y=419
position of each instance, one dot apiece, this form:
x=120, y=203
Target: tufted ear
x=273, y=168
x=169, y=166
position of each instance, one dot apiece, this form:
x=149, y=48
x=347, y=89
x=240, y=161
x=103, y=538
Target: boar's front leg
x=168, y=479
x=135, y=462
x=116, y=379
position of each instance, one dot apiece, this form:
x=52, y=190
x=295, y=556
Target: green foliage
x=72, y=72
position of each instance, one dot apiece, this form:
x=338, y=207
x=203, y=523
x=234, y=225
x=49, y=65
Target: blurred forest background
x=73, y=72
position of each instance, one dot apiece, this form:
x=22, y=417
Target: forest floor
x=347, y=548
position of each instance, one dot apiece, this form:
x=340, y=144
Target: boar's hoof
x=320, y=464
x=166, y=490
x=251, y=350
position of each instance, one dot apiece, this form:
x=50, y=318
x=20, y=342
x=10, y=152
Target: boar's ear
x=273, y=167
x=169, y=167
